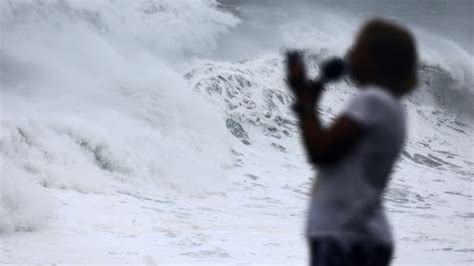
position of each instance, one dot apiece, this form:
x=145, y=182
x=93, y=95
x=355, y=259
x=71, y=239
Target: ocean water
x=158, y=132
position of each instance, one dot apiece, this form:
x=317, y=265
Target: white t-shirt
x=346, y=200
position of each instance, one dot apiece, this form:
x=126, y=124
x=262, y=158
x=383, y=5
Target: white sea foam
x=90, y=94
x=135, y=122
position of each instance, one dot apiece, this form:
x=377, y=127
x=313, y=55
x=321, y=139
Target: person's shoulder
x=376, y=92
x=378, y=96
x=379, y=101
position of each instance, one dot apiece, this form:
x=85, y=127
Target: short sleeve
x=369, y=106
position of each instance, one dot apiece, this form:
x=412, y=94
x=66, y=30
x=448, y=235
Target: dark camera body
x=331, y=69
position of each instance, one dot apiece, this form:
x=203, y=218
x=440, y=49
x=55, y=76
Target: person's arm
x=323, y=145
x=327, y=145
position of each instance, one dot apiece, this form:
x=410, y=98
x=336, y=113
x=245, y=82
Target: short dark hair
x=392, y=49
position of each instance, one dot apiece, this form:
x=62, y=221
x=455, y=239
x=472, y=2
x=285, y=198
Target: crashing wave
x=83, y=106
x=253, y=93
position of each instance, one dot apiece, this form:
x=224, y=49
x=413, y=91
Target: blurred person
x=347, y=224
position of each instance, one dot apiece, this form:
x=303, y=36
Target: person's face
x=359, y=62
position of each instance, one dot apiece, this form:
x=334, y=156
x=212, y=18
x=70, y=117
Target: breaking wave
x=101, y=95
x=91, y=93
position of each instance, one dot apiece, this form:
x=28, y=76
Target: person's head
x=384, y=54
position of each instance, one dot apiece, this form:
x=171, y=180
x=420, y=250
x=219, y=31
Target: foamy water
x=159, y=132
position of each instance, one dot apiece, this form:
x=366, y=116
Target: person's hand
x=295, y=72
x=305, y=91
